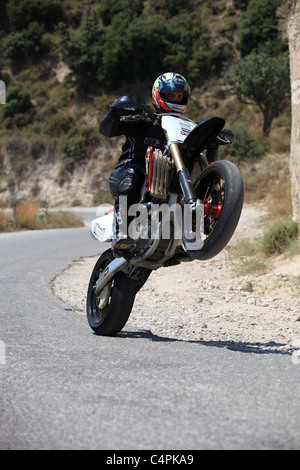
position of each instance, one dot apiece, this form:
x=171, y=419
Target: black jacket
x=139, y=135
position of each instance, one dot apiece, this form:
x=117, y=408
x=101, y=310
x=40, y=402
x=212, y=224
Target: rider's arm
x=110, y=124
x=115, y=123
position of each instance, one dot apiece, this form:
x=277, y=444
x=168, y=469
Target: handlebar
x=129, y=108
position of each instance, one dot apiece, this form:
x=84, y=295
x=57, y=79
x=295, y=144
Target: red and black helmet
x=165, y=101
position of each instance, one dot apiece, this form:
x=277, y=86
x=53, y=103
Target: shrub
x=245, y=147
x=17, y=101
x=279, y=237
x=25, y=214
x=259, y=26
x=102, y=197
x=23, y=12
x=240, y=4
x=60, y=219
x=27, y=43
x=58, y=124
x=4, y=221
x=76, y=148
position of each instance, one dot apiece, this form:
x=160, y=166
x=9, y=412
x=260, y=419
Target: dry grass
x=256, y=257
x=280, y=236
x=60, y=219
x=269, y=180
x=25, y=214
x=251, y=265
x=4, y=221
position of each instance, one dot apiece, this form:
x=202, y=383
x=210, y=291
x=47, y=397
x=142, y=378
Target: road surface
x=62, y=387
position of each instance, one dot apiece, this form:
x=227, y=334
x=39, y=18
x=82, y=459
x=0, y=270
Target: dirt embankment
x=210, y=301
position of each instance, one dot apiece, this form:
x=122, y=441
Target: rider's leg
x=125, y=184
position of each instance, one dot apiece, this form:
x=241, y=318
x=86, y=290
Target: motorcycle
x=189, y=209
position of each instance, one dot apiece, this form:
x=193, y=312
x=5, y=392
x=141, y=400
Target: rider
x=170, y=93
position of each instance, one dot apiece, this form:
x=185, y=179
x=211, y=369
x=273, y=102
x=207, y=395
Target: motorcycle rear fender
x=102, y=227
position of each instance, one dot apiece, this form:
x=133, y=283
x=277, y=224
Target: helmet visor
x=176, y=90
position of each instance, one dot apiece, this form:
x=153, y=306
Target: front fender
x=199, y=139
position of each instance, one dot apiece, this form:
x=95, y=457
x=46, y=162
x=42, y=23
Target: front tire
x=108, y=312
x=221, y=190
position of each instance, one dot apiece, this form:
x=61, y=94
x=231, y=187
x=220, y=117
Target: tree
x=17, y=101
x=84, y=53
x=23, y=12
x=241, y=4
x=120, y=44
x=108, y=9
x=259, y=28
x=293, y=21
x=27, y=43
x=263, y=81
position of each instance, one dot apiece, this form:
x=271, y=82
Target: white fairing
x=177, y=129
x=102, y=227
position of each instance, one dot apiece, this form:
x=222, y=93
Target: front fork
x=194, y=217
x=184, y=177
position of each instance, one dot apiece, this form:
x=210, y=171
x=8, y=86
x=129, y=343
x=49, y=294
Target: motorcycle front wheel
x=109, y=310
x=221, y=190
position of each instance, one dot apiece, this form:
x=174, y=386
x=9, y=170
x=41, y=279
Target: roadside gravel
x=208, y=301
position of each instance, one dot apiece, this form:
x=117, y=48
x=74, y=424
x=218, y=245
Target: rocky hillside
x=64, y=62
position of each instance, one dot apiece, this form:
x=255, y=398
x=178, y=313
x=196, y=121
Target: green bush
x=240, y=4
x=17, y=101
x=58, y=124
x=76, y=147
x=118, y=45
x=259, y=28
x=245, y=147
x=109, y=9
x=23, y=12
x=279, y=237
x=27, y=43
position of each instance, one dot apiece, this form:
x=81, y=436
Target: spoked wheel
x=220, y=188
x=109, y=310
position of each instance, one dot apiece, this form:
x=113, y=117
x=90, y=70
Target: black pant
x=127, y=180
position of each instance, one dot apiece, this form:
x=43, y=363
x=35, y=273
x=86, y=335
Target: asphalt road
x=62, y=387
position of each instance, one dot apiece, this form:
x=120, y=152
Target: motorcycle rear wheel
x=108, y=312
x=221, y=190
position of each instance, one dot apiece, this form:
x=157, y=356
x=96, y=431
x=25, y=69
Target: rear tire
x=108, y=314
x=221, y=186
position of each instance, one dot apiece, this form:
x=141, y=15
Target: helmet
x=170, y=82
